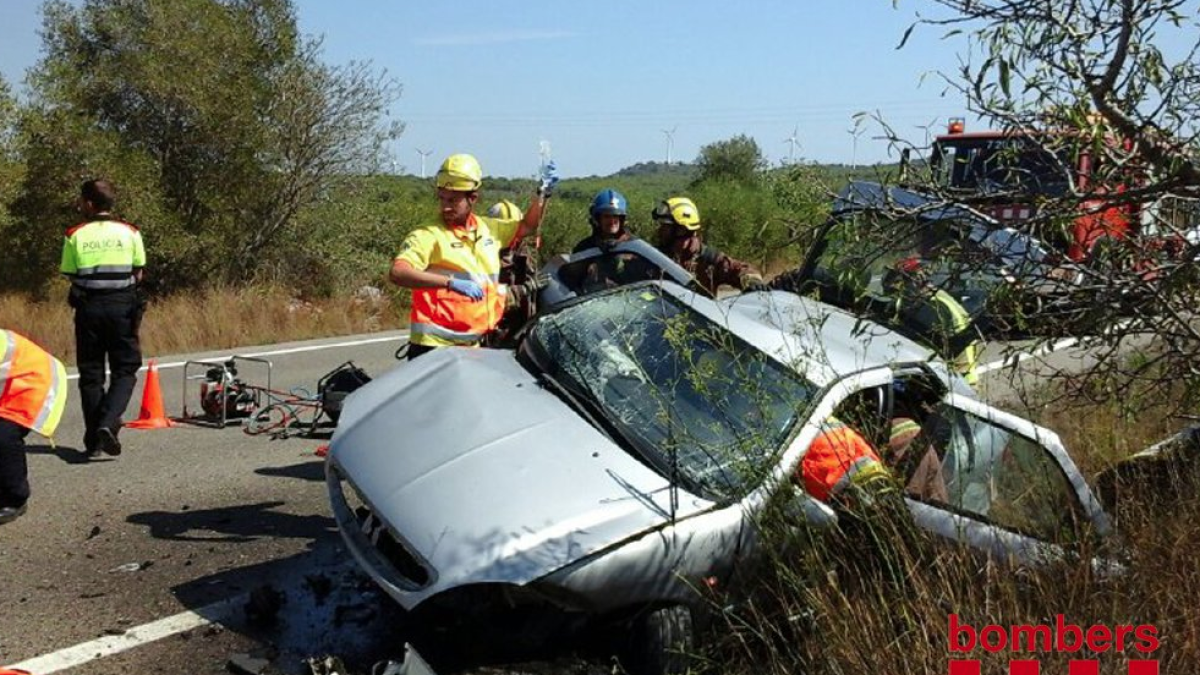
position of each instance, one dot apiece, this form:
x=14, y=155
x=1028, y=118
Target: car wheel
x=663, y=642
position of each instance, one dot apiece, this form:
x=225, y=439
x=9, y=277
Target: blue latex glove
x=467, y=287
x=548, y=179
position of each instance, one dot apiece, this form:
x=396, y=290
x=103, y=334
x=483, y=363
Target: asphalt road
x=175, y=556
x=116, y=551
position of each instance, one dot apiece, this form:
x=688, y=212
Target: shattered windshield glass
x=695, y=401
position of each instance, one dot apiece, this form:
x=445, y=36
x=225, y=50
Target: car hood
x=487, y=477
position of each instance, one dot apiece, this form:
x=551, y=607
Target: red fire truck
x=1011, y=176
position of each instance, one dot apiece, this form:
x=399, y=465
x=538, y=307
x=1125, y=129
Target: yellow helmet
x=505, y=210
x=678, y=211
x=460, y=173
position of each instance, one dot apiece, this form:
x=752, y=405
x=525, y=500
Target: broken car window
x=704, y=404
x=1001, y=477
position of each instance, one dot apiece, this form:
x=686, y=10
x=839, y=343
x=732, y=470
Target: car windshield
x=865, y=249
x=695, y=401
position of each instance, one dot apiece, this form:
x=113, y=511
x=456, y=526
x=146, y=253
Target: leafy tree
x=1119, y=82
x=217, y=159
x=10, y=165
x=738, y=159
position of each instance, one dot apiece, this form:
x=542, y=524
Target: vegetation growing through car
x=702, y=406
x=817, y=611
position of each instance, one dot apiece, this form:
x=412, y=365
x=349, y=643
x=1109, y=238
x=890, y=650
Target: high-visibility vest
x=904, y=430
x=960, y=321
x=441, y=317
x=102, y=255
x=33, y=384
x=838, y=457
x=948, y=325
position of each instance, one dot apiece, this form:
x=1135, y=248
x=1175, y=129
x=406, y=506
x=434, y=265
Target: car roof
x=859, y=196
x=819, y=341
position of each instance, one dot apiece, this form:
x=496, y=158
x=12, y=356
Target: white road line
x=1065, y=343
x=108, y=645
x=277, y=352
x=1014, y=359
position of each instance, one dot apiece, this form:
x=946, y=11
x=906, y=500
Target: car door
x=1010, y=488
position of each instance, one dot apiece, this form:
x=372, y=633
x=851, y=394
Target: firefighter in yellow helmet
x=678, y=236
x=518, y=277
x=505, y=210
x=452, y=265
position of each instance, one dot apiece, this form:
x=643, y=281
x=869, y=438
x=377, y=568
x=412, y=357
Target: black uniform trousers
x=106, y=329
x=14, y=473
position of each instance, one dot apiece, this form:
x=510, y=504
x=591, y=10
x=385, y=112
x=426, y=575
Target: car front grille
x=372, y=530
x=380, y=535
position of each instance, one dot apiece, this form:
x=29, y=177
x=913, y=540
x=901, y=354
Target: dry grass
x=812, y=620
x=213, y=319
x=823, y=612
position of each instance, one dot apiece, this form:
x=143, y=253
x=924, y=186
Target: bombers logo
x=1061, y=638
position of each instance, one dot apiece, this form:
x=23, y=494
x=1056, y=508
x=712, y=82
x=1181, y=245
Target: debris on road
x=413, y=664
x=319, y=585
x=358, y=613
x=263, y=606
x=245, y=664
x=327, y=665
x=132, y=567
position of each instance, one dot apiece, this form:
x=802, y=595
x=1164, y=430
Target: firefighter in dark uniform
x=678, y=236
x=103, y=257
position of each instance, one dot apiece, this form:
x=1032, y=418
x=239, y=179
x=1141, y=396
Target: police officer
x=453, y=265
x=103, y=257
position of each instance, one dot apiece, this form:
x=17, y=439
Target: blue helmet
x=608, y=202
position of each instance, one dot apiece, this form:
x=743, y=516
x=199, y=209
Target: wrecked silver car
x=619, y=458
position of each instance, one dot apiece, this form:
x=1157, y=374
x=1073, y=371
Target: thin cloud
x=495, y=38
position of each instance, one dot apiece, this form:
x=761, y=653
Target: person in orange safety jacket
x=838, y=458
x=33, y=395
x=453, y=266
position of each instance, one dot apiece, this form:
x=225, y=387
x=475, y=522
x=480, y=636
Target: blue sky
x=601, y=83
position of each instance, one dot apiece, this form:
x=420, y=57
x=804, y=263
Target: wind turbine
x=670, y=141
x=423, y=154
x=793, y=141
x=855, y=131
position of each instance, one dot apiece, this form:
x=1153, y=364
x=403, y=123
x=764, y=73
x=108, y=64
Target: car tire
x=664, y=642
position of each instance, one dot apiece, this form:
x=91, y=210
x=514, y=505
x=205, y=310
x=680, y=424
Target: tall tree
x=217, y=119
x=9, y=162
x=1116, y=82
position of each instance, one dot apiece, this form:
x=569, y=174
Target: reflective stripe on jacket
x=837, y=457
x=102, y=255
x=33, y=384
x=440, y=317
x=946, y=325
x=965, y=360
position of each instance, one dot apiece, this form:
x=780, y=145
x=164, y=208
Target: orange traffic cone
x=152, y=416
